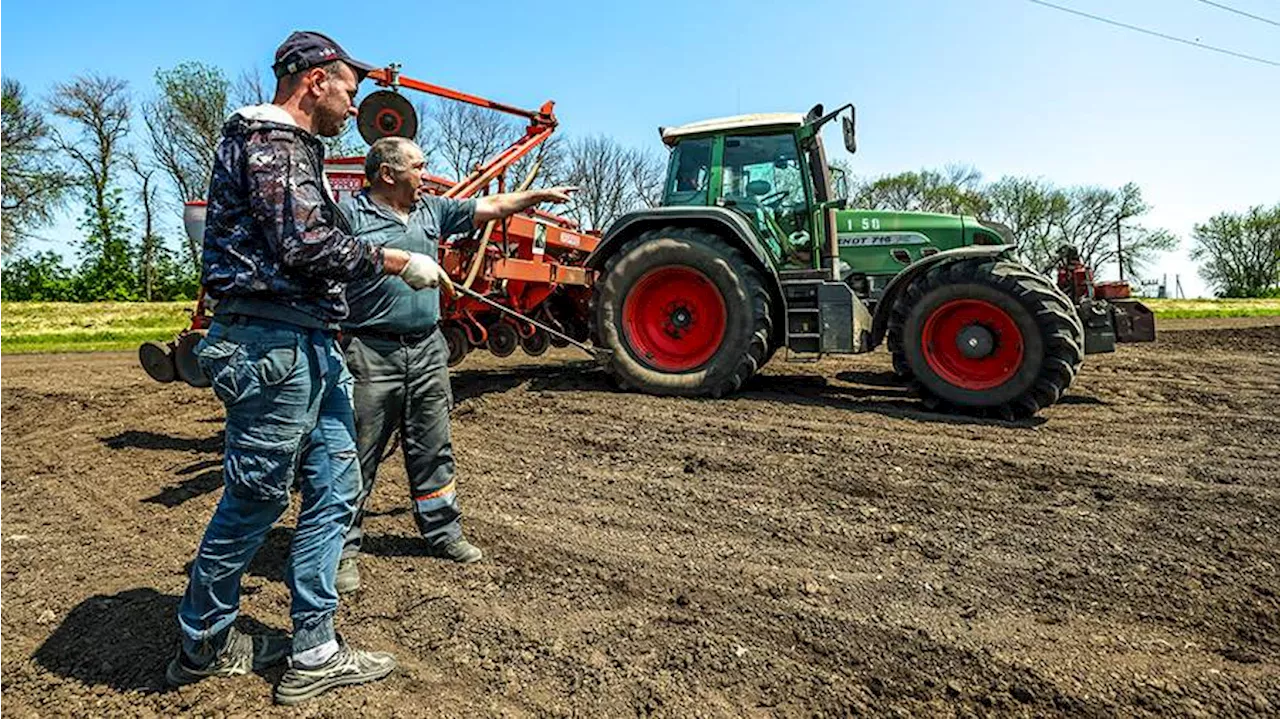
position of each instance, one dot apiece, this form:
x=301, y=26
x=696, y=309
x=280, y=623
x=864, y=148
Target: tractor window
x=690, y=173
x=762, y=168
x=763, y=180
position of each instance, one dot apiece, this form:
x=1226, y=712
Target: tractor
x=753, y=250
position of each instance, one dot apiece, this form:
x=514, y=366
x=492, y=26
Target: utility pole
x=1119, y=249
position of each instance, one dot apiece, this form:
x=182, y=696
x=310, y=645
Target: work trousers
x=404, y=385
x=287, y=394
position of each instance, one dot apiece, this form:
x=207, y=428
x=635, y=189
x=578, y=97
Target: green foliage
x=184, y=124
x=175, y=279
x=1230, y=307
x=110, y=267
x=107, y=260
x=41, y=277
x=1240, y=252
x=34, y=184
x=954, y=190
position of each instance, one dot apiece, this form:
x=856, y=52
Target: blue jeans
x=287, y=394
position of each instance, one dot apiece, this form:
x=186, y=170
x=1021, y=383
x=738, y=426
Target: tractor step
x=821, y=315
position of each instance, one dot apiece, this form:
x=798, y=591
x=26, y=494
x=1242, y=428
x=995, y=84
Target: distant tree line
x=1239, y=253
x=82, y=148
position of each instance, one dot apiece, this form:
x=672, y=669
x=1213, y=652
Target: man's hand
x=422, y=272
x=558, y=195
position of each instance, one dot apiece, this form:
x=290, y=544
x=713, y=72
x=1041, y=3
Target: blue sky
x=1006, y=85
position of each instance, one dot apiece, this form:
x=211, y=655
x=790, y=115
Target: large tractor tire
x=985, y=336
x=683, y=312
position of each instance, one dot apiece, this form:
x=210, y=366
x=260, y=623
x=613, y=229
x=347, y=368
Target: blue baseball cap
x=304, y=49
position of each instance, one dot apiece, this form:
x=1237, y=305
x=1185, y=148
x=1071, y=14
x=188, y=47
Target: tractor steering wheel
x=776, y=198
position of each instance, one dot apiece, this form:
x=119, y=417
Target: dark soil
x=816, y=545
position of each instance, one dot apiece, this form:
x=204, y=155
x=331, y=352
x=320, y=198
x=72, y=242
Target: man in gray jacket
x=395, y=350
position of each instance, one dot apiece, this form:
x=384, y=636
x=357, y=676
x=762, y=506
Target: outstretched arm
x=496, y=207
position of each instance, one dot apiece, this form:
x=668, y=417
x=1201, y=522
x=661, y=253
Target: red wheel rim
x=972, y=344
x=674, y=319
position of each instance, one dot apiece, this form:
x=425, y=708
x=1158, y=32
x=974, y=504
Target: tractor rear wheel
x=683, y=312
x=986, y=336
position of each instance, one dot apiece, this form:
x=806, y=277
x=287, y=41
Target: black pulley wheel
x=503, y=339
x=536, y=344
x=386, y=114
x=157, y=360
x=185, y=362
x=459, y=345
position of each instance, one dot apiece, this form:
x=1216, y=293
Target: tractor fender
x=730, y=225
x=880, y=323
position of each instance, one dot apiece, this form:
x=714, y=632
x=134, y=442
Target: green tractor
x=753, y=250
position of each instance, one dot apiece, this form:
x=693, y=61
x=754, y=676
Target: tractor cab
x=769, y=168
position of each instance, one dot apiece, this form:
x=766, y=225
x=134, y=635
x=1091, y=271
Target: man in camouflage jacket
x=277, y=256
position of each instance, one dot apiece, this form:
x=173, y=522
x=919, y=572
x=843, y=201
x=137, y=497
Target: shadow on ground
x=122, y=640
x=855, y=391
x=138, y=439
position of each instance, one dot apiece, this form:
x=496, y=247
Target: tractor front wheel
x=986, y=336
x=684, y=314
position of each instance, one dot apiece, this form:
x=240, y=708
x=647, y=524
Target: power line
x=1160, y=35
x=1228, y=8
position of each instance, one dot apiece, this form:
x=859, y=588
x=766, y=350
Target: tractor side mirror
x=850, y=135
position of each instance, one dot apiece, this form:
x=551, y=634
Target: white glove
x=422, y=271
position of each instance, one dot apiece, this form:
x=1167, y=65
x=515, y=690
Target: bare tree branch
x=97, y=111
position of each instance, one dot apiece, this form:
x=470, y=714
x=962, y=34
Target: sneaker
x=458, y=550
x=348, y=575
x=346, y=666
x=241, y=653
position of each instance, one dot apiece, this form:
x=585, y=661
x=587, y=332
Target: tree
x=1240, y=253
x=455, y=137
x=956, y=190
x=248, y=89
x=347, y=144
x=1028, y=208
x=1103, y=224
x=41, y=277
x=107, y=269
x=97, y=109
x=97, y=112
x=184, y=125
x=611, y=180
x=34, y=185
x=151, y=244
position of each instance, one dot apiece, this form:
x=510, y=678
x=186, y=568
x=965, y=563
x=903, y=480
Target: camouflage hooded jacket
x=275, y=244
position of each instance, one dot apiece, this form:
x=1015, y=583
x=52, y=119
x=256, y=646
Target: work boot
x=240, y=654
x=348, y=575
x=346, y=666
x=456, y=550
